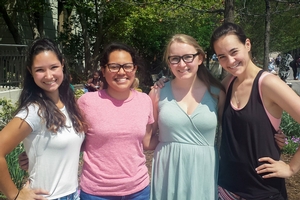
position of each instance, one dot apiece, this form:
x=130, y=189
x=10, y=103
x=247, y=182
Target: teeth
x=49, y=83
x=182, y=71
x=234, y=66
x=121, y=80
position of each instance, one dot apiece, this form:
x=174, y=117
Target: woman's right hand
x=161, y=82
x=35, y=194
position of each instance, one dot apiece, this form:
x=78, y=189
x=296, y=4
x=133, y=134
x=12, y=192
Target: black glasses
x=115, y=67
x=187, y=58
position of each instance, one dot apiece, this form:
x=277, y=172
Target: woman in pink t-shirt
x=118, y=120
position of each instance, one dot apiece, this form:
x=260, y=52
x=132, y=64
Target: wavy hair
x=33, y=94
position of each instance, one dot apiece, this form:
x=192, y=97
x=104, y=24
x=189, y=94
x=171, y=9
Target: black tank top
x=248, y=135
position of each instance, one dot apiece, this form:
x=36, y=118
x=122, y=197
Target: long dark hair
x=32, y=93
x=202, y=73
x=136, y=59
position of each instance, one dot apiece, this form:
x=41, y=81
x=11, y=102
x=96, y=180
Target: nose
x=181, y=62
x=121, y=71
x=231, y=59
x=48, y=74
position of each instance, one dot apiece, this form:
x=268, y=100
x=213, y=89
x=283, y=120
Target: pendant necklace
x=236, y=100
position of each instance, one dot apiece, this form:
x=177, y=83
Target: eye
x=114, y=66
x=38, y=70
x=188, y=57
x=54, y=67
x=128, y=66
x=174, y=59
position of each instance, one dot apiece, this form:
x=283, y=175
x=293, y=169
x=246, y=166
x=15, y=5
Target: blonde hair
x=185, y=39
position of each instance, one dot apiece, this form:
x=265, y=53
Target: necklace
x=236, y=100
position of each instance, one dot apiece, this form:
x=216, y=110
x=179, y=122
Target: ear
x=200, y=59
x=248, y=44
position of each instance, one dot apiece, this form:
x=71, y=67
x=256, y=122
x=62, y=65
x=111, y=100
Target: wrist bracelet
x=17, y=195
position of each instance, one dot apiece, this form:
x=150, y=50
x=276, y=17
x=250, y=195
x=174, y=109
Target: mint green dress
x=185, y=162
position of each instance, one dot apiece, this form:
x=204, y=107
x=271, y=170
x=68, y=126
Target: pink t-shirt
x=114, y=162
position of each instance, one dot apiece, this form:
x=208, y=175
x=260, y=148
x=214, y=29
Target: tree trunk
x=86, y=43
x=12, y=29
x=228, y=17
x=229, y=11
x=267, y=35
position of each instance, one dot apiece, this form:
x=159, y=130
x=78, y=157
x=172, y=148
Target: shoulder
x=141, y=95
x=227, y=80
x=268, y=81
x=87, y=97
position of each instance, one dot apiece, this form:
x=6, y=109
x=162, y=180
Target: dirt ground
x=292, y=184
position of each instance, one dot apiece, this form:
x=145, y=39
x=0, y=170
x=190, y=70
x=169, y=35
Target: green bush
x=17, y=174
x=78, y=93
x=291, y=129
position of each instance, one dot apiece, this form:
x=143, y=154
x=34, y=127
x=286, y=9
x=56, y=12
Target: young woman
x=50, y=125
x=252, y=113
x=186, y=110
x=119, y=120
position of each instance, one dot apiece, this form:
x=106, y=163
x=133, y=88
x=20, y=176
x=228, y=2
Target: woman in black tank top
x=252, y=113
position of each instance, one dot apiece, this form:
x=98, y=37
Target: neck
x=56, y=99
x=185, y=84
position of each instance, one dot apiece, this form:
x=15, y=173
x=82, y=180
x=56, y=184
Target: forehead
x=178, y=48
x=119, y=56
x=45, y=58
x=227, y=43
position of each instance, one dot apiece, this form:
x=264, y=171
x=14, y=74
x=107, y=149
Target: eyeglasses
x=115, y=67
x=187, y=58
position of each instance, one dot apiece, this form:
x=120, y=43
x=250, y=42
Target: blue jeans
x=73, y=196
x=144, y=194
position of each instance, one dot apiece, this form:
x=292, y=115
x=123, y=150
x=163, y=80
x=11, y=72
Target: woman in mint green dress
x=186, y=111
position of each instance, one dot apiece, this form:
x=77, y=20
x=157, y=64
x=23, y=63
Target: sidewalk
x=295, y=83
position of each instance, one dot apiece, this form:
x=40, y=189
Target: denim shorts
x=144, y=194
x=73, y=196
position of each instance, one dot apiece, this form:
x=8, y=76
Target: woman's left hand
x=274, y=168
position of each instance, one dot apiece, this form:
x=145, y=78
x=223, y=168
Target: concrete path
x=295, y=83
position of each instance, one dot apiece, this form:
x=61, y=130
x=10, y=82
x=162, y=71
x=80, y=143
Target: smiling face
x=119, y=81
x=184, y=70
x=47, y=72
x=233, y=55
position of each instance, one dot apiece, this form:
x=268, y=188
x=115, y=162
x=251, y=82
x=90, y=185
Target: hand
x=35, y=194
x=161, y=82
x=274, y=168
x=23, y=161
x=280, y=139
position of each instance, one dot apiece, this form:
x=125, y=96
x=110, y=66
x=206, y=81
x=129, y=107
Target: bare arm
x=279, y=96
x=10, y=136
x=151, y=138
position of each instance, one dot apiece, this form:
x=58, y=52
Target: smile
x=235, y=66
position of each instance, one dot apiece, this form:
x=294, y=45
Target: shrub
x=16, y=173
x=291, y=129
